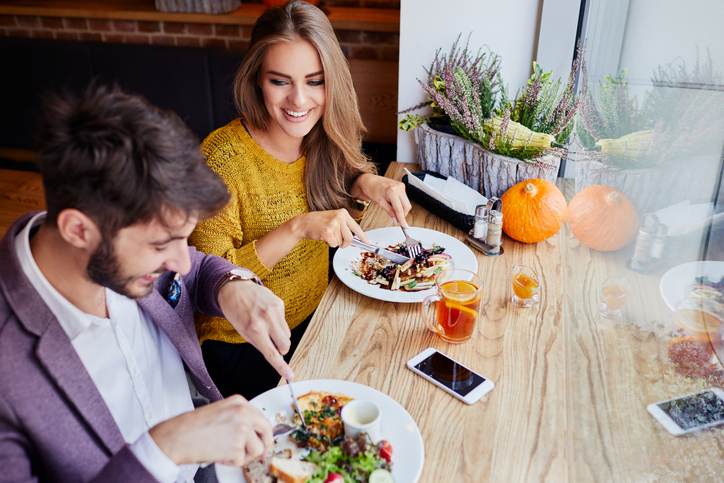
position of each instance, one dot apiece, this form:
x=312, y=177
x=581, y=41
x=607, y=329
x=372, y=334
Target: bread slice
x=314, y=400
x=257, y=472
x=291, y=471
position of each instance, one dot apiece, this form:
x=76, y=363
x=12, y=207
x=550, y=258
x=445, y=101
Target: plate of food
x=320, y=451
x=705, y=277
x=382, y=279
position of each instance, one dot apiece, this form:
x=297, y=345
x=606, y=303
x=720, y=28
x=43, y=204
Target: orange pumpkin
x=533, y=210
x=602, y=218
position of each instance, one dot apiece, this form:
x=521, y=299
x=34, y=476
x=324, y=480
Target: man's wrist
x=164, y=439
x=238, y=275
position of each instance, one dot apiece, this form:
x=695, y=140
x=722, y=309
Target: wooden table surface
x=571, y=389
x=20, y=192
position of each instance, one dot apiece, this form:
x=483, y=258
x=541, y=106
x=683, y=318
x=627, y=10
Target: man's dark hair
x=121, y=161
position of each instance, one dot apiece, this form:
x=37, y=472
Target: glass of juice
x=525, y=285
x=453, y=312
x=612, y=298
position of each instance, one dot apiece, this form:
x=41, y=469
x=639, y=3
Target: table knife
x=383, y=252
x=296, y=404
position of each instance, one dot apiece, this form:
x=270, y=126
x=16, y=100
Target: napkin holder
x=458, y=220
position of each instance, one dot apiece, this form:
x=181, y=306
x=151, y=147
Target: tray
x=459, y=220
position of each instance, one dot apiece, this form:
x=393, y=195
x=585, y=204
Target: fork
x=414, y=247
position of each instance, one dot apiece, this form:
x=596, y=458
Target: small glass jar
x=658, y=242
x=495, y=230
x=641, y=259
x=480, y=228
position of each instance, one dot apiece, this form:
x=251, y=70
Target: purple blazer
x=54, y=425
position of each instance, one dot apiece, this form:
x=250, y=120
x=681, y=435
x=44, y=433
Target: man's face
x=130, y=263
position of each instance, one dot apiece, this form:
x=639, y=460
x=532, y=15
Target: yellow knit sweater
x=265, y=193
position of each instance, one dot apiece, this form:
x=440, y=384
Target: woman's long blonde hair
x=333, y=147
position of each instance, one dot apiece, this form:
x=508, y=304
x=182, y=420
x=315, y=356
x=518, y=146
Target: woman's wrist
x=360, y=186
x=295, y=228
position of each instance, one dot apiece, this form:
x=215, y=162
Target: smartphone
x=450, y=375
x=692, y=412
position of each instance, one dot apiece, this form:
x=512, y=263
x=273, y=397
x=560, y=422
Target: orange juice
x=524, y=286
x=457, y=312
x=614, y=296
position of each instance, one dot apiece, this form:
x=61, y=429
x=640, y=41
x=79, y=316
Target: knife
x=296, y=404
x=383, y=252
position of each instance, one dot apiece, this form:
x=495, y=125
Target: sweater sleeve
x=222, y=234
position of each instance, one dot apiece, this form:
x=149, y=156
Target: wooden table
x=20, y=192
x=571, y=389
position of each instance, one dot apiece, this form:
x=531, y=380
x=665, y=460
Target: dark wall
x=195, y=83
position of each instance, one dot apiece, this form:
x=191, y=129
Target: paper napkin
x=684, y=217
x=450, y=192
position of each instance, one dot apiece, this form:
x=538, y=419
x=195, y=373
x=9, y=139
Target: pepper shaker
x=658, y=242
x=495, y=231
x=641, y=259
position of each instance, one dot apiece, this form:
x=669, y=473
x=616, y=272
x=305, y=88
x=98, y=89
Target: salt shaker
x=480, y=228
x=641, y=260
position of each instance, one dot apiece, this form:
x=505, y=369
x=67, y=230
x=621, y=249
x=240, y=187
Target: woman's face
x=292, y=83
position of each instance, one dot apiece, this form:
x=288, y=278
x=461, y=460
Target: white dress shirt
x=134, y=366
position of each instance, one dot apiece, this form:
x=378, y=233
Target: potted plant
x=640, y=149
x=478, y=135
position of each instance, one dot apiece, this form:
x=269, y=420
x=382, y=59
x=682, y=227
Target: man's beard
x=105, y=270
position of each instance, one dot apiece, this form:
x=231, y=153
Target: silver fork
x=414, y=247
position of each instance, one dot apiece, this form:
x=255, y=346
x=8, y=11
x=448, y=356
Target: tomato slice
x=385, y=450
x=334, y=478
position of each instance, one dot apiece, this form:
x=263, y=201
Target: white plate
x=398, y=427
x=674, y=284
x=462, y=257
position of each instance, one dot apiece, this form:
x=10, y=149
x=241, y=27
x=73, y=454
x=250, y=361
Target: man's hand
x=230, y=431
x=258, y=315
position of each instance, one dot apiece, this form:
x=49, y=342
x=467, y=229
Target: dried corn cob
x=630, y=146
x=517, y=135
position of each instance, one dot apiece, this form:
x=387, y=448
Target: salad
x=352, y=460
x=319, y=451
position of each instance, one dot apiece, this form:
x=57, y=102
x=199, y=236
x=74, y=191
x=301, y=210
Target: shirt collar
x=71, y=319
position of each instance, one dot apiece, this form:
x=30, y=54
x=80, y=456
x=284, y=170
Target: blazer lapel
x=181, y=336
x=57, y=355
x=54, y=350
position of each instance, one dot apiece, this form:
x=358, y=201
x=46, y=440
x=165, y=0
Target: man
x=97, y=342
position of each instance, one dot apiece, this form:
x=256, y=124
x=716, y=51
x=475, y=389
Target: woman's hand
x=334, y=227
x=387, y=193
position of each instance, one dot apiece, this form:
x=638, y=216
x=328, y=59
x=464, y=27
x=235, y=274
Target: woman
x=294, y=167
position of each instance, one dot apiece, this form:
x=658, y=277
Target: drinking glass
x=526, y=286
x=454, y=310
x=612, y=298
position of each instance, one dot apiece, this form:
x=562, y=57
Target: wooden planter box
x=489, y=173
x=197, y=6
x=650, y=189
